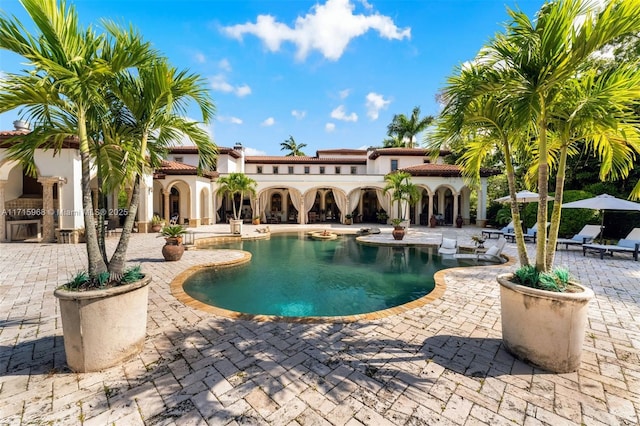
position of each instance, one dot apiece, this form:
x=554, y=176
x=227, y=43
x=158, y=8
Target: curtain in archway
x=309, y=199
x=354, y=199
x=253, y=202
x=263, y=198
x=384, y=200
x=342, y=203
x=217, y=200
x=296, y=199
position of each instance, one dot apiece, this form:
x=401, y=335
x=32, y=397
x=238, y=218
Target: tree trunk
x=543, y=190
x=556, y=214
x=117, y=263
x=515, y=212
x=96, y=264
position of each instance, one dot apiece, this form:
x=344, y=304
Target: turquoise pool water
x=294, y=276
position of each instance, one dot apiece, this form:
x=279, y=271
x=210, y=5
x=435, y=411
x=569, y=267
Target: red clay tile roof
x=443, y=170
x=175, y=168
x=5, y=135
x=404, y=152
x=187, y=149
x=302, y=160
x=344, y=151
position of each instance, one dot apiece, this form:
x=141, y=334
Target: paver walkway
x=439, y=364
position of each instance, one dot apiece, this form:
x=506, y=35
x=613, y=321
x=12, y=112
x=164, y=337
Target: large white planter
x=544, y=328
x=236, y=226
x=102, y=328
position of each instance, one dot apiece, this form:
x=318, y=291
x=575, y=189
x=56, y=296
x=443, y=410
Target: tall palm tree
x=236, y=184
x=535, y=70
x=71, y=67
x=292, y=146
x=403, y=191
x=405, y=129
x=149, y=109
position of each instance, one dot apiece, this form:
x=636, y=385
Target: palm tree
x=403, y=129
x=236, y=184
x=539, y=74
x=71, y=67
x=149, y=108
x=294, y=148
x=403, y=191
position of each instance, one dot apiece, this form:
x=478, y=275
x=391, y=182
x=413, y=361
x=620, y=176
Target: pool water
x=293, y=276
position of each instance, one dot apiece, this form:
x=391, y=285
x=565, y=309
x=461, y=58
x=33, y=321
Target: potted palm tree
x=156, y=223
x=398, y=229
x=129, y=112
x=515, y=90
x=404, y=193
x=232, y=185
x=173, y=248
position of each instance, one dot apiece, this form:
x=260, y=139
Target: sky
x=331, y=74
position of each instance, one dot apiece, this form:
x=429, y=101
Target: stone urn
x=544, y=328
x=398, y=232
x=173, y=249
x=433, y=221
x=459, y=221
x=103, y=328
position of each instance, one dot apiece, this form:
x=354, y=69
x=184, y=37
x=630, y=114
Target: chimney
x=21, y=125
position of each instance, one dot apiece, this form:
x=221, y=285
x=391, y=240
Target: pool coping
x=177, y=290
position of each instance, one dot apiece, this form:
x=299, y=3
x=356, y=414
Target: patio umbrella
x=602, y=203
x=521, y=197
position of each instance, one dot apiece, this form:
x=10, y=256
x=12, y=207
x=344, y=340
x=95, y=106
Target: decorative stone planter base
x=236, y=226
x=102, y=328
x=542, y=327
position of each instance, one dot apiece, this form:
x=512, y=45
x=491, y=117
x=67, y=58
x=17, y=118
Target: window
x=178, y=159
x=275, y=170
x=354, y=170
x=394, y=165
x=337, y=170
x=306, y=170
x=290, y=170
x=259, y=170
x=321, y=170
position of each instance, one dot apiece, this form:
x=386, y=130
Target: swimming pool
x=291, y=275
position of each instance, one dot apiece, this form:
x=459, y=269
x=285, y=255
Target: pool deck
x=442, y=363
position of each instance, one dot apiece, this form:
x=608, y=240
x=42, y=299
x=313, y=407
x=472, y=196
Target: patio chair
x=493, y=254
x=586, y=235
x=530, y=235
x=499, y=232
x=631, y=244
x=174, y=219
x=449, y=246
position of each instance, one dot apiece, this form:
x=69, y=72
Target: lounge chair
x=493, y=254
x=449, y=246
x=631, y=244
x=530, y=235
x=499, y=232
x=585, y=236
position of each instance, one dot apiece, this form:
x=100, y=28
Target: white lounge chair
x=449, y=246
x=499, y=232
x=493, y=254
x=631, y=245
x=530, y=235
x=586, y=235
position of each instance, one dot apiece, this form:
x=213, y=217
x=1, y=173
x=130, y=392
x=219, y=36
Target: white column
x=3, y=217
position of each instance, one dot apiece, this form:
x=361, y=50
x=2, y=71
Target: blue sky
x=331, y=74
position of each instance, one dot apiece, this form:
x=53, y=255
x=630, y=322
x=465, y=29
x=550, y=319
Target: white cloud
x=375, y=102
x=243, y=90
x=329, y=127
x=340, y=114
x=229, y=119
x=366, y=4
x=252, y=152
x=224, y=65
x=220, y=84
x=268, y=122
x=328, y=28
x=299, y=115
x=344, y=93
x=200, y=58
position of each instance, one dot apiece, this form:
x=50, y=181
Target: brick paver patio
x=442, y=363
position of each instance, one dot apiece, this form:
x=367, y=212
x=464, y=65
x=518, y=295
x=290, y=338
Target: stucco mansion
x=328, y=187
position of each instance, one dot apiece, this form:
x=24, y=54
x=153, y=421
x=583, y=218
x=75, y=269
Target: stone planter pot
x=103, y=328
x=173, y=249
x=542, y=327
x=236, y=226
x=398, y=232
x=156, y=228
